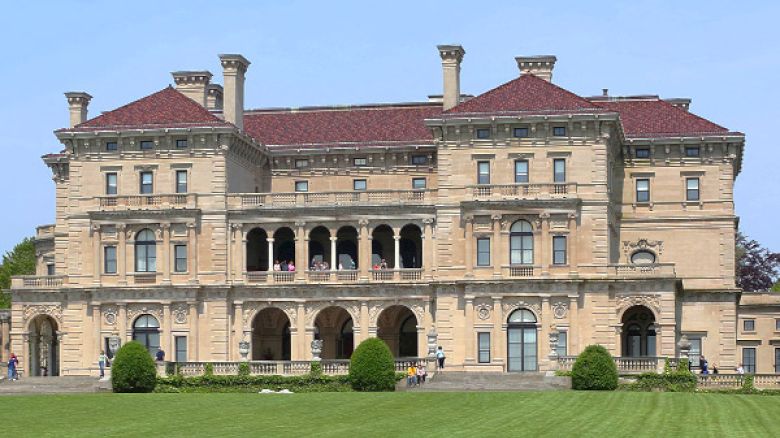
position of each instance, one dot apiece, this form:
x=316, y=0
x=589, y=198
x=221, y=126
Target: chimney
x=78, y=101
x=214, y=97
x=233, y=71
x=451, y=56
x=192, y=84
x=541, y=66
x=680, y=102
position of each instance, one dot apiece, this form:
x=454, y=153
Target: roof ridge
x=345, y=107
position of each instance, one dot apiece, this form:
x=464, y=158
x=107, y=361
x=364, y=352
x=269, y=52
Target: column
x=194, y=341
x=121, y=254
x=165, y=342
x=270, y=258
x=543, y=334
x=397, y=240
x=238, y=328
x=96, y=253
x=544, y=243
x=498, y=342
x=166, y=255
x=573, y=259
x=574, y=326
x=469, y=259
x=495, y=256
x=242, y=256
x=364, y=250
x=468, y=330
x=304, y=352
x=192, y=252
x=427, y=243
x=334, y=263
x=301, y=263
x=364, y=321
x=122, y=322
x=97, y=341
x=5, y=335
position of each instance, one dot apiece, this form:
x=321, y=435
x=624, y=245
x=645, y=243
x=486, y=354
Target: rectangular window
x=109, y=259
x=642, y=153
x=360, y=162
x=692, y=189
x=146, y=183
x=111, y=183
x=559, y=250
x=695, y=351
x=777, y=360
x=419, y=159
x=559, y=170
x=181, y=181
x=692, y=151
x=419, y=183
x=562, y=346
x=483, y=344
x=181, y=348
x=483, y=133
x=111, y=146
x=483, y=172
x=559, y=131
x=520, y=132
x=301, y=162
x=643, y=190
x=483, y=251
x=301, y=186
x=521, y=171
x=777, y=325
x=749, y=359
x=749, y=325
x=146, y=145
x=180, y=258
x=49, y=268
x=181, y=143
x=359, y=184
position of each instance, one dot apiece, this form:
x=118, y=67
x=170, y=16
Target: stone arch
x=319, y=249
x=397, y=326
x=257, y=250
x=43, y=346
x=411, y=246
x=347, y=251
x=383, y=246
x=638, y=337
x=271, y=337
x=335, y=326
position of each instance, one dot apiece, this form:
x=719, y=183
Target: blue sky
x=310, y=53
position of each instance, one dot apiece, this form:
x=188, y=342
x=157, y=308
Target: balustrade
x=331, y=367
x=133, y=202
x=38, y=281
x=625, y=365
x=522, y=191
x=307, y=199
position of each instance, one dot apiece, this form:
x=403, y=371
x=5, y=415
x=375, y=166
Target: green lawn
x=559, y=414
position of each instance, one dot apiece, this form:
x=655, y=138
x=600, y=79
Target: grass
x=530, y=414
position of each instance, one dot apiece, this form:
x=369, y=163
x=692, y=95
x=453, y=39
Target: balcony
x=38, y=281
x=488, y=192
x=638, y=270
x=148, y=202
x=337, y=277
x=248, y=201
x=333, y=367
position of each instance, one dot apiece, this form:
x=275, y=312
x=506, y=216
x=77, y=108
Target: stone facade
x=510, y=224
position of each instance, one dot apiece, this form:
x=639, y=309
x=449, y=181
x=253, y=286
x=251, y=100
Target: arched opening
x=521, y=243
x=397, y=326
x=347, y=248
x=271, y=338
x=334, y=326
x=146, y=331
x=411, y=246
x=521, y=341
x=382, y=248
x=257, y=250
x=284, y=246
x=638, y=336
x=319, y=249
x=44, y=347
x=643, y=257
x=145, y=251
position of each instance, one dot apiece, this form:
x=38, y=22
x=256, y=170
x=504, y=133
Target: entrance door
x=521, y=341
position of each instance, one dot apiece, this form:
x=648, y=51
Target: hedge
x=594, y=369
x=372, y=367
x=133, y=369
x=247, y=383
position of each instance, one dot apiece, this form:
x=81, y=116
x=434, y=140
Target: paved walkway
x=477, y=381
x=54, y=385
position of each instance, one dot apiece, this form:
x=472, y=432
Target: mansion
x=512, y=228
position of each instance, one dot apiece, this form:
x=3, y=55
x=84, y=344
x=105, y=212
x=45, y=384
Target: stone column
x=301, y=244
x=303, y=352
x=5, y=336
x=238, y=329
x=97, y=341
x=192, y=252
x=165, y=343
x=194, y=341
x=469, y=337
x=121, y=255
x=427, y=253
x=573, y=259
x=543, y=333
x=397, y=240
x=498, y=341
x=469, y=244
x=242, y=256
x=122, y=322
x=364, y=250
x=495, y=256
x=166, y=254
x=333, y=254
x=574, y=326
x=96, y=258
x=544, y=243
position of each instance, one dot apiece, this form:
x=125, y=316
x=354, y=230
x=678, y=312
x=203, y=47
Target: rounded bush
x=372, y=367
x=133, y=369
x=594, y=369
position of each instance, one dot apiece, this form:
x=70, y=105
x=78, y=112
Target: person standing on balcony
x=277, y=266
x=291, y=266
x=440, y=357
x=325, y=266
x=283, y=266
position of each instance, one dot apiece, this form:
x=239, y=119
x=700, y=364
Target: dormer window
x=301, y=162
x=559, y=131
x=692, y=151
x=642, y=153
x=360, y=162
x=520, y=132
x=419, y=159
x=483, y=133
x=146, y=145
x=111, y=146
x=181, y=143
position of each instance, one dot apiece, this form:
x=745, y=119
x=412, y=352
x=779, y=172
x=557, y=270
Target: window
x=520, y=132
x=146, y=331
x=419, y=159
x=559, y=131
x=483, y=251
x=695, y=352
x=146, y=145
x=111, y=146
x=181, y=348
x=749, y=325
x=643, y=257
x=483, y=345
x=146, y=183
x=642, y=153
x=559, y=170
x=483, y=133
x=360, y=162
x=359, y=184
x=181, y=143
x=111, y=183
x=521, y=171
x=301, y=186
x=109, y=259
x=483, y=172
x=559, y=250
x=562, y=346
x=749, y=359
x=418, y=183
x=301, y=162
x=777, y=360
x=692, y=151
x=777, y=325
x=181, y=181
x=145, y=251
x=521, y=243
x=692, y=189
x=50, y=269
x=643, y=190
x=180, y=258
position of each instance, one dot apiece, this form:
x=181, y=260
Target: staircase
x=486, y=381
x=54, y=385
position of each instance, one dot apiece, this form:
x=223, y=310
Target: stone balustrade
x=625, y=365
x=486, y=192
x=147, y=202
x=639, y=270
x=38, y=281
x=332, y=367
x=336, y=276
x=243, y=201
x=734, y=381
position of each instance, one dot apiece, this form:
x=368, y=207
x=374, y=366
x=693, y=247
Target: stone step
x=479, y=381
x=54, y=385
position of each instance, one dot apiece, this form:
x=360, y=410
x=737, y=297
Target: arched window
x=521, y=243
x=521, y=341
x=522, y=316
x=643, y=257
x=146, y=331
x=145, y=251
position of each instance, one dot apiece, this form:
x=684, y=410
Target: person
x=704, y=365
x=314, y=264
x=383, y=264
x=375, y=267
x=291, y=266
x=421, y=374
x=160, y=356
x=13, y=362
x=341, y=267
x=283, y=266
x=714, y=369
x=325, y=266
x=102, y=363
x=277, y=266
x=740, y=369
x=411, y=373
x=440, y=357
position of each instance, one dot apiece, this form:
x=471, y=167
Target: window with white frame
x=483, y=251
x=483, y=345
x=692, y=189
x=559, y=250
x=749, y=359
x=483, y=172
x=419, y=183
x=181, y=181
x=695, y=352
x=147, y=183
x=559, y=170
x=109, y=259
x=749, y=325
x=521, y=171
x=111, y=183
x=642, y=190
x=301, y=186
x=180, y=258
x=359, y=184
x=562, y=346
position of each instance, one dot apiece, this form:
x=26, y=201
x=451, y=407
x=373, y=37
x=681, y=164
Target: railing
x=730, y=381
x=625, y=365
x=145, y=278
x=331, y=367
x=140, y=202
x=522, y=191
x=640, y=270
x=521, y=271
x=306, y=199
x=38, y=281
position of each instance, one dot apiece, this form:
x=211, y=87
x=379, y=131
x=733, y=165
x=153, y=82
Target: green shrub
x=253, y=384
x=133, y=369
x=243, y=369
x=594, y=369
x=669, y=382
x=747, y=383
x=372, y=367
x=209, y=370
x=316, y=368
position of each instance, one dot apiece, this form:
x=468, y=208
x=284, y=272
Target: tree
x=757, y=267
x=18, y=261
x=372, y=367
x=133, y=369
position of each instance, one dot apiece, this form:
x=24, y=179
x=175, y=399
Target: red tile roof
x=527, y=93
x=657, y=118
x=166, y=108
x=375, y=124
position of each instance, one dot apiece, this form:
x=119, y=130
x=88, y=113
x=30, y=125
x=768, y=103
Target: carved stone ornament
x=110, y=315
x=180, y=312
x=560, y=309
x=483, y=311
x=629, y=247
x=30, y=311
x=135, y=310
x=511, y=304
x=649, y=301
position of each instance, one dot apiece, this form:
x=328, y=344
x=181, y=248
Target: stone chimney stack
x=192, y=84
x=541, y=66
x=214, y=97
x=234, y=70
x=78, y=101
x=451, y=57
